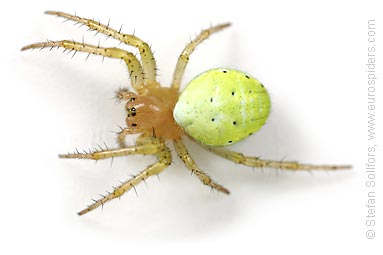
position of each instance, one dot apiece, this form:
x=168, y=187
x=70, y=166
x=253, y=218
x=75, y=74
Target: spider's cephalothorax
x=219, y=107
x=152, y=113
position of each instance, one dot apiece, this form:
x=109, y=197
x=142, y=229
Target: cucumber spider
x=217, y=108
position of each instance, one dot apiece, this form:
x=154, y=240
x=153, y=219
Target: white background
x=310, y=56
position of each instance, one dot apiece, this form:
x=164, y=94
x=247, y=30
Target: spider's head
x=153, y=112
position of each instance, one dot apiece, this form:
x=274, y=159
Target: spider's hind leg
x=262, y=163
x=191, y=165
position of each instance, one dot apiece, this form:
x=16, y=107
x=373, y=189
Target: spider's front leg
x=262, y=163
x=134, y=66
x=144, y=146
x=148, y=61
x=164, y=160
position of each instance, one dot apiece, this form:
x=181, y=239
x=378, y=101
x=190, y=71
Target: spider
x=217, y=108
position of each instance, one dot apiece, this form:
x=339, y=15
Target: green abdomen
x=222, y=106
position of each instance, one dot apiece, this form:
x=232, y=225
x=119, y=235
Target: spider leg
x=183, y=59
x=191, y=165
x=134, y=66
x=148, y=60
x=164, y=160
x=257, y=162
x=146, y=146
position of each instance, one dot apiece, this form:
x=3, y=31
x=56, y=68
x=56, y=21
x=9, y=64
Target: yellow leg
x=145, y=146
x=134, y=66
x=257, y=162
x=164, y=160
x=188, y=50
x=191, y=165
x=148, y=61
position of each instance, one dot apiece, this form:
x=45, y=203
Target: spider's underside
x=150, y=111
